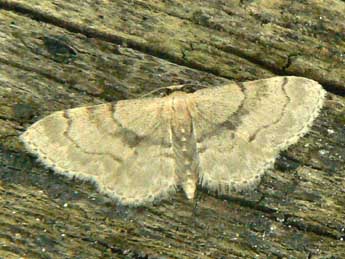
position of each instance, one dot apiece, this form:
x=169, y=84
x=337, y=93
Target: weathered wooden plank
x=236, y=39
x=296, y=212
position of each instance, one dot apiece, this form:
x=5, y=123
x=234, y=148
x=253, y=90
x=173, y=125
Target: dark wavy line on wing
x=253, y=136
x=231, y=123
x=77, y=145
x=128, y=136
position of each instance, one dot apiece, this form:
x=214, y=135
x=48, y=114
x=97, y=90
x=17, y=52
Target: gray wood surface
x=62, y=54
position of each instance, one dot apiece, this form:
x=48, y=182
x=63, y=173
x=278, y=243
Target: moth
x=222, y=138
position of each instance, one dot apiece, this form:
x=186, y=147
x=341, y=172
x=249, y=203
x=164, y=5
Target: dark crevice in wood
x=31, y=69
x=304, y=163
x=333, y=89
x=114, y=250
x=4, y=118
x=308, y=227
x=283, y=71
x=249, y=204
x=289, y=61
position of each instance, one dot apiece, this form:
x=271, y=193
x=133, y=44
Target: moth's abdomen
x=184, y=145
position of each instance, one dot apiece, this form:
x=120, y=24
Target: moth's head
x=185, y=88
x=178, y=89
x=174, y=90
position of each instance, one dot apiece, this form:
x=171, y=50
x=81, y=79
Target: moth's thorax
x=181, y=120
x=184, y=143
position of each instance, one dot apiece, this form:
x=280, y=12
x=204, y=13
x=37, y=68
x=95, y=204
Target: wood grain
x=59, y=55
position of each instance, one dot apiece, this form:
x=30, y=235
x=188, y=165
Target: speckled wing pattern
x=223, y=138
